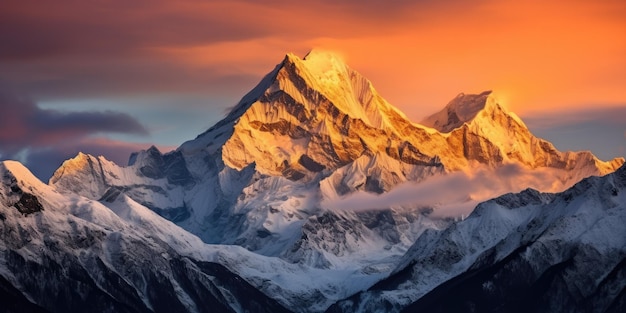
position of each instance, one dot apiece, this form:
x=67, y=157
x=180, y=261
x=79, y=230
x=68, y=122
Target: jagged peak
x=15, y=169
x=320, y=77
x=20, y=189
x=315, y=95
x=76, y=162
x=12, y=167
x=322, y=61
x=323, y=70
x=80, y=162
x=350, y=92
x=464, y=108
x=318, y=59
x=153, y=149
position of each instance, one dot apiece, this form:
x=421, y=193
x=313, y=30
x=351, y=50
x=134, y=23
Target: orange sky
x=537, y=56
x=177, y=66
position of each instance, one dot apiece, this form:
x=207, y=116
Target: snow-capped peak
x=465, y=108
x=312, y=93
x=347, y=90
x=323, y=61
x=325, y=66
x=307, y=106
x=22, y=175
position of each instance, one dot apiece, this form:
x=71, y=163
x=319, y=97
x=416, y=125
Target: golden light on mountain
x=284, y=181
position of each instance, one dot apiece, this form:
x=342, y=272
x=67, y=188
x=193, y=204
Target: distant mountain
x=275, y=177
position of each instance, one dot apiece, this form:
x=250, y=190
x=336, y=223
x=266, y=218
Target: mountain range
x=313, y=194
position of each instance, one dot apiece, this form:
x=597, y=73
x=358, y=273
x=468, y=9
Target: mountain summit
x=306, y=116
x=463, y=109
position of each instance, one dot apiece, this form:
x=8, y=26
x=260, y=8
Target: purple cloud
x=24, y=125
x=44, y=138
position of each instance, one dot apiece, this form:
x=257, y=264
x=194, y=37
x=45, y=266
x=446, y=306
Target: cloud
x=70, y=27
x=612, y=115
x=43, y=30
x=24, y=125
x=600, y=130
x=44, y=138
x=542, y=55
x=454, y=194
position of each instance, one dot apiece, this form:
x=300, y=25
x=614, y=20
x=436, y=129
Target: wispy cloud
x=599, y=129
x=539, y=54
x=608, y=115
x=43, y=138
x=23, y=124
x=454, y=194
